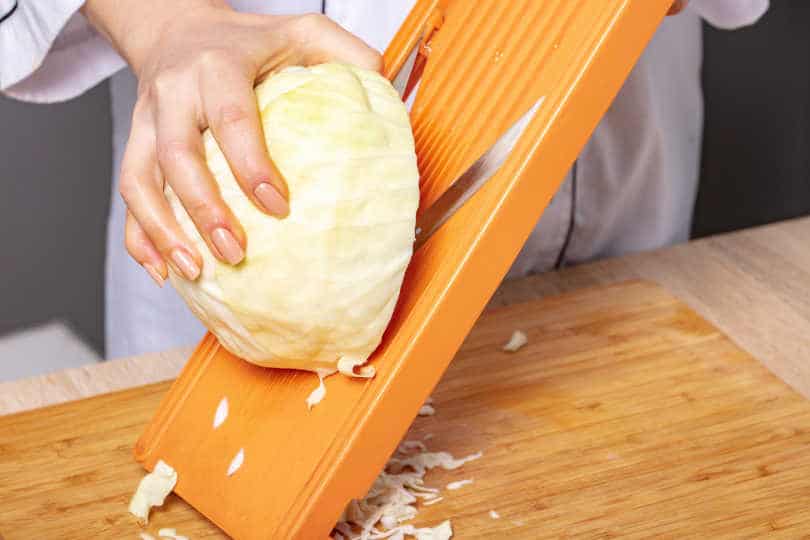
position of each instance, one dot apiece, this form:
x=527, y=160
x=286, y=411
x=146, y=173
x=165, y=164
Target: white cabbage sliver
x=236, y=462
x=430, y=460
x=452, y=486
x=427, y=410
x=152, y=490
x=172, y=534
x=406, y=446
x=518, y=340
x=347, y=365
x=221, y=413
x=319, y=393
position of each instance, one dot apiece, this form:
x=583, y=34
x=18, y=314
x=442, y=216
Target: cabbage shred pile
x=393, y=498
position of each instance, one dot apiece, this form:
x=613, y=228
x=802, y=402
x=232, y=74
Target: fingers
x=323, y=40
x=141, y=187
x=181, y=158
x=229, y=105
x=213, y=88
x=141, y=248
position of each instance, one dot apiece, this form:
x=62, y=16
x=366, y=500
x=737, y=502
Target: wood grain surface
x=625, y=415
x=751, y=284
x=754, y=285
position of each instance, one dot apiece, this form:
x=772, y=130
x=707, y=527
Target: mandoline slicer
x=483, y=63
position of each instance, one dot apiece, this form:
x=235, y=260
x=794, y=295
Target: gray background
x=756, y=150
x=55, y=170
x=54, y=191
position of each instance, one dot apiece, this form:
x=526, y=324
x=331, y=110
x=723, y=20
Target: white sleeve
x=730, y=14
x=48, y=51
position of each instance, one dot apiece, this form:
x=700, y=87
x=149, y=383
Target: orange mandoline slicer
x=483, y=63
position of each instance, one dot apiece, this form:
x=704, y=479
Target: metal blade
x=400, y=82
x=471, y=180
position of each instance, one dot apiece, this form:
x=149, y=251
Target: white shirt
x=631, y=189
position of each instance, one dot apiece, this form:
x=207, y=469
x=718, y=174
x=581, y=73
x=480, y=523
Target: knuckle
x=310, y=22
x=207, y=215
x=158, y=87
x=160, y=234
x=164, y=84
x=212, y=59
x=230, y=114
x=170, y=152
x=198, y=209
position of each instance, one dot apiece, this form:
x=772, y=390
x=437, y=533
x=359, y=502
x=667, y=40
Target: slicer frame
x=483, y=64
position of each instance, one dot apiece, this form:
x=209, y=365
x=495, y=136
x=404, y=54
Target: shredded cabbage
x=393, y=498
x=516, y=341
x=221, y=413
x=152, y=490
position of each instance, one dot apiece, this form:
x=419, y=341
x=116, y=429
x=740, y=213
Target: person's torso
x=375, y=21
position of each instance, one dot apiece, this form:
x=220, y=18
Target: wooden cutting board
x=625, y=415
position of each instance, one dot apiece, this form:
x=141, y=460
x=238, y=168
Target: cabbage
x=152, y=490
x=517, y=340
x=317, y=289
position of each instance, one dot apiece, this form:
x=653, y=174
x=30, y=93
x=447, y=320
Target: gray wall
x=756, y=140
x=54, y=192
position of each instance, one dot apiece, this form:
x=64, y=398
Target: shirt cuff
x=730, y=14
x=48, y=51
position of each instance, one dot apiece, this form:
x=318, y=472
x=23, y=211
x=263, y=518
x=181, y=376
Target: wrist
x=133, y=27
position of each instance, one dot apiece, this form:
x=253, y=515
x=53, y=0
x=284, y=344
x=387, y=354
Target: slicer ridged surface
x=503, y=60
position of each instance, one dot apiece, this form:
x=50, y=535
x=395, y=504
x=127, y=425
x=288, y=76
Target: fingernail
x=152, y=271
x=272, y=200
x=227, y=246
x=183, y=262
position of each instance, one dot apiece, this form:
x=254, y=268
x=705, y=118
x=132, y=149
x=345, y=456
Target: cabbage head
x=316, y=289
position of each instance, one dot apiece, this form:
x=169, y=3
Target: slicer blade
x=403, y=77
x=471, y=180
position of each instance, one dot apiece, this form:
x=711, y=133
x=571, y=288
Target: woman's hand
x=197, y=62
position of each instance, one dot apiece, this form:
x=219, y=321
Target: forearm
x=134, y=26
